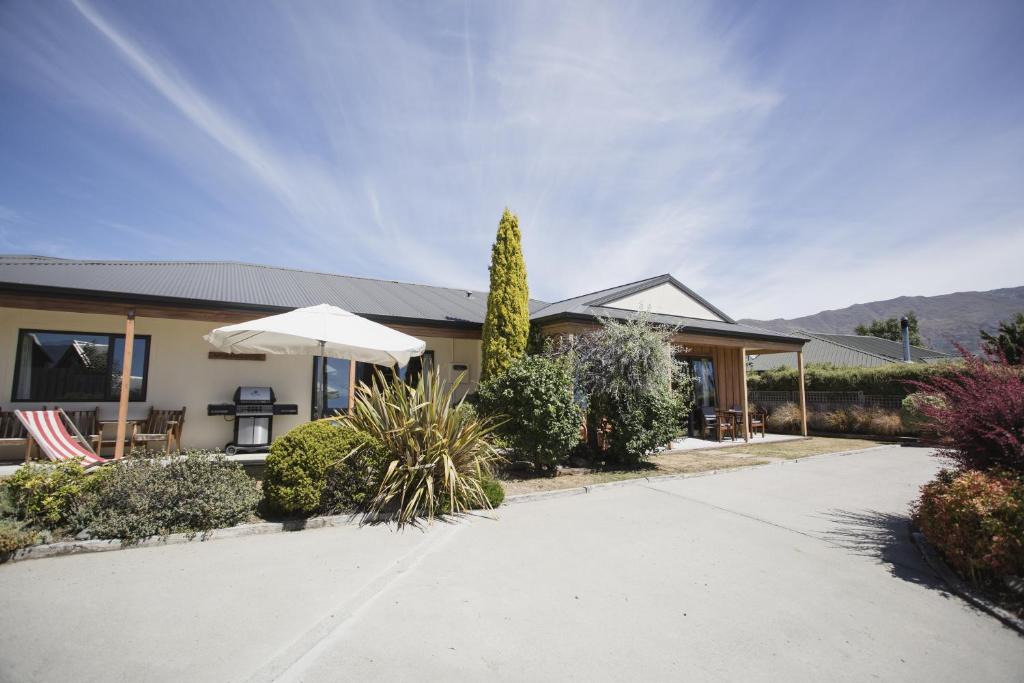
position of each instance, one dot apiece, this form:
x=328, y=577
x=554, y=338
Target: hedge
x=888, y=380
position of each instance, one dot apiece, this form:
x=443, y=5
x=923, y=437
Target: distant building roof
x=847, y=350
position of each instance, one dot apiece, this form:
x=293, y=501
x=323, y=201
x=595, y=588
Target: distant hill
x=944, y=319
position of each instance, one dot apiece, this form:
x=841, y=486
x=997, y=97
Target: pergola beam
x=126, y=383
x=803, y=394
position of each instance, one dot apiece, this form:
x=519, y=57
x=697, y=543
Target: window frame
x=110, y=396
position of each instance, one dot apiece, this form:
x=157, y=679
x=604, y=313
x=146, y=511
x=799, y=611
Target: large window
x=76, y=366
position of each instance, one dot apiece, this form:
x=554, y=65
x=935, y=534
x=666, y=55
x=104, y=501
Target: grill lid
x=254, y=395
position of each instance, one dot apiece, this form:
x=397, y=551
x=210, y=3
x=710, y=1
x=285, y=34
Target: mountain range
x=944, y=320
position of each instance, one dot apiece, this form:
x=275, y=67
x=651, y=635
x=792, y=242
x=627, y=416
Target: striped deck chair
x=47, y=429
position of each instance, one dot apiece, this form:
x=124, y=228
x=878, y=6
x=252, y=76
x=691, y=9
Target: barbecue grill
x=253, y=412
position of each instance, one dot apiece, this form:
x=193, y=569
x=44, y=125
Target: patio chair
x=12, y=432
x=161, y=425
x=716, y=423
x=48, y=429
x=758, y=420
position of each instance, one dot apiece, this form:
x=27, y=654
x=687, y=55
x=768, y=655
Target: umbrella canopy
x=319, y=330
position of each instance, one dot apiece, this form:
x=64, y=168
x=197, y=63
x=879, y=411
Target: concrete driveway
x=797, y=571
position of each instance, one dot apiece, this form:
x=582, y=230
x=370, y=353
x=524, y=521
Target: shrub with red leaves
x=976, y=520
x=981, y=416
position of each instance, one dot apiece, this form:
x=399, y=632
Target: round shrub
x=140, y=497
x=976, y=520
x=13, y=536
x=494, y=491
x=46, y=495
x=535, y=396
x=322, y=466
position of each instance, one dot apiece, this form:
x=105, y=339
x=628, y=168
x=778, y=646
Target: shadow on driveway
x=886, y=537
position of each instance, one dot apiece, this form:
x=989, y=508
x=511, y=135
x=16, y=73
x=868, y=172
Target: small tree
x=890, y=329
x=507, y=323
x=634, y=386
x=1008, y=342
x=535, y=397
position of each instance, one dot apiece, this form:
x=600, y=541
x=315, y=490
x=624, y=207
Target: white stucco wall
x=667, y=299
x=181, y=374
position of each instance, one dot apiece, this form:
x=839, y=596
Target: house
x=62, y=334
x=848, y=350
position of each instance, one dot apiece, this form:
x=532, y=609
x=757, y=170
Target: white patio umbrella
x=325, y=331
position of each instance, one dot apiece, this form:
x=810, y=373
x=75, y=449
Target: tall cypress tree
x=507, y=325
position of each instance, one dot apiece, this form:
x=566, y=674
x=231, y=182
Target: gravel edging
x=961, y=587
x=589, y=488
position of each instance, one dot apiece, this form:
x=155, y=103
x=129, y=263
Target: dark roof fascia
x=654, y=282
x=207, y=305
x=582, y=317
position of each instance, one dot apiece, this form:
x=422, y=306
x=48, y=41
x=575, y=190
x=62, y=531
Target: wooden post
x=746, y=406
x=126, y=384
x=351, y=384
x=803, y=394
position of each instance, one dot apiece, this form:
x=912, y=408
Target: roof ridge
x=608, y=289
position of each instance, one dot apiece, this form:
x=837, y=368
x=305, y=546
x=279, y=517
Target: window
x=76, y=366
x=418, y=365
x=335, y=398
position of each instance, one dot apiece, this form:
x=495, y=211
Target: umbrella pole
x=322, y=394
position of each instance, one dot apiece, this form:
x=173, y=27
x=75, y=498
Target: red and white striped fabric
x=48, y=431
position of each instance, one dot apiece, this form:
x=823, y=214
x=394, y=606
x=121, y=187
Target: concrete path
x=794, y=571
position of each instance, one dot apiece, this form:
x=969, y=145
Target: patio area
x=693, y=443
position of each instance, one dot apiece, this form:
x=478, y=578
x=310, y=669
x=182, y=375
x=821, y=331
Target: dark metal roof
x=232, y=284
x=246, y=285
x=847, y=350
x=591, y=307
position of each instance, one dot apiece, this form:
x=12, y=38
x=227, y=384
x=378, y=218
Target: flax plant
x=441, y=450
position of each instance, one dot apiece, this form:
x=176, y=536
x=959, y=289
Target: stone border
x=105, y=545
x=590, y=488
x=962, y=588
x=60, y=548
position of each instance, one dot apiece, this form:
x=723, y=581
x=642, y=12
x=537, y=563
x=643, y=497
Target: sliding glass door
x=703, y=372
x=335, y=398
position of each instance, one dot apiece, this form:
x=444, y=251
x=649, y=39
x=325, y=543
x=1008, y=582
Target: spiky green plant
x=441, y=450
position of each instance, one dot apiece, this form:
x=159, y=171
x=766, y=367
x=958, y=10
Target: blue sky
x=780, y=158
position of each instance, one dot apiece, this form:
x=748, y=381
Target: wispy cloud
x=747, y=151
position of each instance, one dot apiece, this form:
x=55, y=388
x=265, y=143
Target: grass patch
x=686, y=462
x=799, y=448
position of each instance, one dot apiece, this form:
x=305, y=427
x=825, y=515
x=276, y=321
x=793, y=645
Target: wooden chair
x=718, y=423
x=161, y=426
x=12, y=432
x=758, y=419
